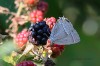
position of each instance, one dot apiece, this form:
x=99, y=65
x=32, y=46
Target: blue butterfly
x=63, y=33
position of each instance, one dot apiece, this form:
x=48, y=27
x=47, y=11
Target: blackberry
x=49, y=62
x=26, y=63
x=40, y=32
x=43, y=6
x=42, y=24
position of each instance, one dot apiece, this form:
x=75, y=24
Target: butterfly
x=63, y=33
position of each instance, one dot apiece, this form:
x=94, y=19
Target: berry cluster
x=57, y=50
x=50, y=22
x=37, y=36
x=36, y=16
x=22, y=38
x=26, y=63
x=39, y=33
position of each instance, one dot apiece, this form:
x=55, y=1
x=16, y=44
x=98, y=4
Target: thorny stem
x=20, y=9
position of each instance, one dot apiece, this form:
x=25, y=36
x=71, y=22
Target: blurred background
x=84, y=15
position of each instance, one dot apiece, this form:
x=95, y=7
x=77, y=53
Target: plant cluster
x=33, y=43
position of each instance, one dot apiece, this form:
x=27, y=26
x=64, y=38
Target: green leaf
x=3, y=63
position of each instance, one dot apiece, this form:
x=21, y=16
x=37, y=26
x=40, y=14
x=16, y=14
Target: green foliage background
x=85, y=53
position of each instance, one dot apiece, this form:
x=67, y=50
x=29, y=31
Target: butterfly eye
x=64, y=19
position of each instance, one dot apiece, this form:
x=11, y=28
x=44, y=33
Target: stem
x=20, y=9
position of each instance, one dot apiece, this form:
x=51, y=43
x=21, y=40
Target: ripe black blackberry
x=39, y=33
x=49, y=62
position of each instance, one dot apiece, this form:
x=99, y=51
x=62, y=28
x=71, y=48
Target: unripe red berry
x=22, y=38
x=56, y=52
x=30, y=2
x=50, y=22
x=61, y=47
x=36, y=16
x=43, y=6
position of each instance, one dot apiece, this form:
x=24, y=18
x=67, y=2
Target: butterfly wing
x=57, y=32
x=72, y=38
x=64, y=33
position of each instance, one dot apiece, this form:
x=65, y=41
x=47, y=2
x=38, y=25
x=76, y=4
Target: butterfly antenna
x=46, y=35
x=48, y=32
